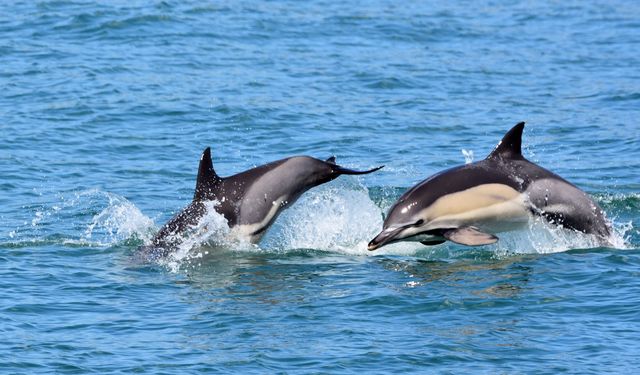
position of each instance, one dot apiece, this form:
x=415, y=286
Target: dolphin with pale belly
x=469, y=203
x=251, y=200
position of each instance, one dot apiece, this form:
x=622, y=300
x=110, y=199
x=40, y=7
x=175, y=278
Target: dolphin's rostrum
x=251, y=200
x=467, y=204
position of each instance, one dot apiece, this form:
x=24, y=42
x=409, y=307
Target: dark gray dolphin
x=250, y=201
x=467, y=204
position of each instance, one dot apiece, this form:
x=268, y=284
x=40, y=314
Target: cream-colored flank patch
x=482, y=203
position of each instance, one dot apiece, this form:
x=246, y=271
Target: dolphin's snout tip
x=383, y=238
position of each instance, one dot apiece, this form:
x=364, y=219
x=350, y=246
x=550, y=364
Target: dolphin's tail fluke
x=340, y=170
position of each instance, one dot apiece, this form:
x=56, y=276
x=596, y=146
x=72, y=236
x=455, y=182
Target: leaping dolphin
x=251, y=200
x=469, y=203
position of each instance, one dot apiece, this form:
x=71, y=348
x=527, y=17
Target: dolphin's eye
x=419, y=222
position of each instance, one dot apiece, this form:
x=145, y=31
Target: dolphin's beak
x=386, y=236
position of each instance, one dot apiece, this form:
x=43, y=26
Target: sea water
x=106, y=107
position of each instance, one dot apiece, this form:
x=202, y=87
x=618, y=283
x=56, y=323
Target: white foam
x=120, y=220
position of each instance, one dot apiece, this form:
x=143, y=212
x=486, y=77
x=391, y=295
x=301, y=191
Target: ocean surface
x=106, y=107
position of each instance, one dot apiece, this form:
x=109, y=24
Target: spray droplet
x=468, y=156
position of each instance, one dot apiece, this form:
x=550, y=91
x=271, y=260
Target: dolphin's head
x=407, y=220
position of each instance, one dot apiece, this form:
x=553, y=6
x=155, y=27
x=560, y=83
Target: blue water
x=106, y=107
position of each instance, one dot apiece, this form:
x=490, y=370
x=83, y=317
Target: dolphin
x=468, y=204
x=251, y=200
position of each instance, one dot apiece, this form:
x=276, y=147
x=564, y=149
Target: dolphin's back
x=458, y=179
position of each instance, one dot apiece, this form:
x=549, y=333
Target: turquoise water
x=107, y=106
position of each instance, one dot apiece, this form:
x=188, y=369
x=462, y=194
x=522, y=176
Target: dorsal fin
x=207, y=177
x=331, y=160
x=510, y=147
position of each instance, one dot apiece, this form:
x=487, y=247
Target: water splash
x=339, y=217
x=328, y=218
x=211, y=233
x=120, y=221
x=541, y=237
x=468, y=156
x=84, y=218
